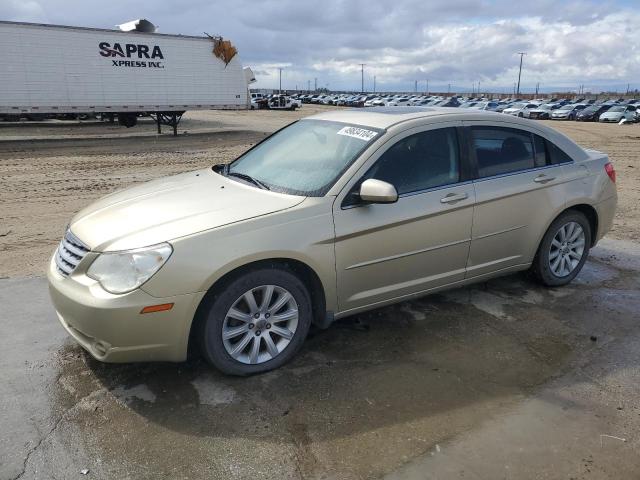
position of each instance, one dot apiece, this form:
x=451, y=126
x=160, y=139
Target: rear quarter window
x=555, y=155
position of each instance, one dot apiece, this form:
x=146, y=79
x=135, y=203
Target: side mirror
x=377, y=191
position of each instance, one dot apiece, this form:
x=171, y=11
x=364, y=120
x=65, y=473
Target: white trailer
x=54, y=69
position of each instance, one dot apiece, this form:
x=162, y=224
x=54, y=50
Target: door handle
x=454, y=197
x=543, y=179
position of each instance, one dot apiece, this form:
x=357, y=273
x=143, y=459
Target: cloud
x=454, y=42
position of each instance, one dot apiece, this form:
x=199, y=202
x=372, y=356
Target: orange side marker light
x=157, y=308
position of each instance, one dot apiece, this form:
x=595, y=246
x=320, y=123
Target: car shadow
x=440, y=364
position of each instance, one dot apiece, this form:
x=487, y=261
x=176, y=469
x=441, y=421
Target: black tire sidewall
x=541, y=266
x=210, y=334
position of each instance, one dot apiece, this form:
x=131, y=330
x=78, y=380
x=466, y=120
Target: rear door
x=518, y=190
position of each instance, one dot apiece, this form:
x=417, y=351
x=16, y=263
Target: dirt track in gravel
x=49, y=171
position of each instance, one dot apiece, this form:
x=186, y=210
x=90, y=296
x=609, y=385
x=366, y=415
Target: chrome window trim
x=518, y=172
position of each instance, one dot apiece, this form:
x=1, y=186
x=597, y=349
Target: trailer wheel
x=128, y=119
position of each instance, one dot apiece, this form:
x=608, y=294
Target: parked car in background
x=592, y=113
x=502, y=107
x=619, y=112
x=399, y=102
x=542, y=112
x=520, y=109
x=485, y=105
x=330, y=216
x=568, y=111
x=283, y=102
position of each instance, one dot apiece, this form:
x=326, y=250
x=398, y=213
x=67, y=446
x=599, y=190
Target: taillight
x=610, y=171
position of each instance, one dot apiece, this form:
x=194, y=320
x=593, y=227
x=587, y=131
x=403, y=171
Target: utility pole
x=427, y=90
x=308, y=86
x=522, y=54
x=478, y=87
x=415, y=86
x=315, y=84
x=362, y=77
x=374, y=84
x=280, y=69
x=448, y=89
x=537, y=89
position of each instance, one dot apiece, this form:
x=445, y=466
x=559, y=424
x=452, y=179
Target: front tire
x=563, y=250
x=256, y=323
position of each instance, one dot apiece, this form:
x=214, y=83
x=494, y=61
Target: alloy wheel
x=260, y=324
x=567, y=249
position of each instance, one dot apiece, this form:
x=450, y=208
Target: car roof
x=385, y=117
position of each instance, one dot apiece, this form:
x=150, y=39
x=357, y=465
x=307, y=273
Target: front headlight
x=122, y=272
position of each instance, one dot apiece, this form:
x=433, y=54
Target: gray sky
x=461, y=42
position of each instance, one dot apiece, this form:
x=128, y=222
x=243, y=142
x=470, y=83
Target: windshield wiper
x=248, y=178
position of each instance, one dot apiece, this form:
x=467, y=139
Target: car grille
x=69, y=253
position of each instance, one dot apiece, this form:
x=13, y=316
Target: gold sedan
x=335, y=214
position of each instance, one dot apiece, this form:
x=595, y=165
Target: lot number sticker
x=361, y=133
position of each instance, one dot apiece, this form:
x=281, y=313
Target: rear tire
x=273, y=349
x=560, y=257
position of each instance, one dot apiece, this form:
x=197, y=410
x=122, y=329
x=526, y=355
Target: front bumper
x=111, y=327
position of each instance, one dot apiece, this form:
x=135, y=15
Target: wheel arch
x=587, y=210
x=592, y=215
x=302, y=270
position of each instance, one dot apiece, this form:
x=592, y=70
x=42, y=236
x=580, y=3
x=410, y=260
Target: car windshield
x=616, y=109
x=305, y=158
x=567, y=107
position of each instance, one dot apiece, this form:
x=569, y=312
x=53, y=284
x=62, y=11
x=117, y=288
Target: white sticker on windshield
x=361, y=133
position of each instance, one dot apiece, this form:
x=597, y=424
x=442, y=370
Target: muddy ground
x=504, y=379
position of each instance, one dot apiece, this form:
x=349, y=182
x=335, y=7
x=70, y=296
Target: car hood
x=172, y=207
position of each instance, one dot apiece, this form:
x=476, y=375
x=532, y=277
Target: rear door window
x=500, y=150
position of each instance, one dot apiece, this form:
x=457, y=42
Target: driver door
x=389, y=251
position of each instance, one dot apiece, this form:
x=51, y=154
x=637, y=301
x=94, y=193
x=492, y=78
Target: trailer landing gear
x=171, y=119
